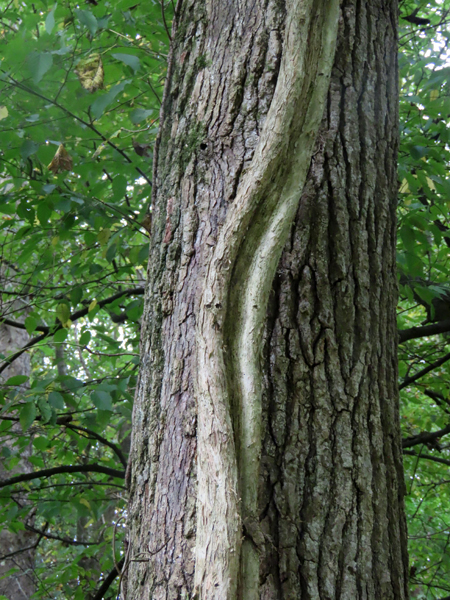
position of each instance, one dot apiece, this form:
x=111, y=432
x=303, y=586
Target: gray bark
x=297, y=495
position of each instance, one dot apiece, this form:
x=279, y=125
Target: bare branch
x=426, y=437
x=417, y=332
x=108, y=581
x=63, y=469
x=437, y=459
x=423, y=372
x=60, y=539
x=101, y=439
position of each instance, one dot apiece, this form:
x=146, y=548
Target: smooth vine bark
x=266, y=459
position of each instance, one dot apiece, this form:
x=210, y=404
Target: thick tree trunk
x=273, y=474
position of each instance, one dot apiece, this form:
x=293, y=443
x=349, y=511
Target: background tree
x=74, y=254
x=17, y=546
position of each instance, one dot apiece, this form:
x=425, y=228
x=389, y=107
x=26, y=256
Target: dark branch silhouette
x=18, y=325
x=437, y=459
x=426, y=437
x=414, y=19
x=63, y=469
x=35, y=545
x=417, y=332
x=423, y=372
x=440, y=399
x=101, y=439
x=108, y=581
x=51, y=536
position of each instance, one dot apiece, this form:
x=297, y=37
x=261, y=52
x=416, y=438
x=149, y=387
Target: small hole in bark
x=203, y=146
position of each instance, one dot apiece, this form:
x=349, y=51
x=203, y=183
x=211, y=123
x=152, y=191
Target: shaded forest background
x=80, y=90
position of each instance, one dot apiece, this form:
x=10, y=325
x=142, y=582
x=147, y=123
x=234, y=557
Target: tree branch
x=11, y=554
x=108, y=581
x=73, y=317
x=17, y=325
x=438, y=398
x=101, y=439
x=35, y=545
x=426, y=437
x=417, y=332
x=63, y=469
x=443, y=461
x=60, y=539
x=423, y=372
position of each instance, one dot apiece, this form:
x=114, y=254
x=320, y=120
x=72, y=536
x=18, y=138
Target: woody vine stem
x=233, y=308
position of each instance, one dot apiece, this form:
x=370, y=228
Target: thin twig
x=164, y=20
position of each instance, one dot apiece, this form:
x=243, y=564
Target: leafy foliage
x=80, y=89
x=424, y=269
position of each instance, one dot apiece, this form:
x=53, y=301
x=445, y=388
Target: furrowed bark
x=324, y=518
x=331, y=484
x=233, y=309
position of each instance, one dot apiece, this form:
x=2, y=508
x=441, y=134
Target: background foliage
x=74, y=247
x=80, y=90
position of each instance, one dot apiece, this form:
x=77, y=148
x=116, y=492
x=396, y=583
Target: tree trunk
x=266, y=458
x=17, y=549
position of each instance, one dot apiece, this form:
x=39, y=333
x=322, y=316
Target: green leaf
x=40, y=442
x=101, y=103
x=130, y=60
x=50, y=20
x=60, y=336
x=119, y=187
x=75, y=296
x=43, y=212
x=27, y=415
x=72, y=384
x=39, y=63
x=425, y=293
x=63, y=313
x=56, y=400
x=88, y=19
x=85, y=338
x=102, y=400
x=143, y=253
x=103, y=236
x=16, y=380
x=28, y=148
x=111, y=252
x=139, y=114
x=30, y=324
x=44, y=409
